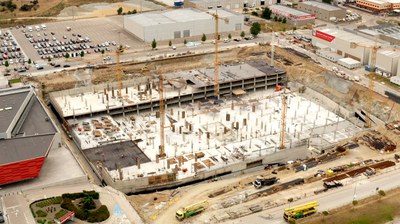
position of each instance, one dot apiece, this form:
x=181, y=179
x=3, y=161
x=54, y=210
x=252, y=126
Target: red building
x=26, y=135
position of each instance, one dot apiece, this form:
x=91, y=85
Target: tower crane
x=216, y=62
x=162, y=110
x=374, y=50
x=282, y=136
x=119, y=71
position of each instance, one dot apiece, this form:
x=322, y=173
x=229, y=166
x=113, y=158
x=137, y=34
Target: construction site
x=152, y=129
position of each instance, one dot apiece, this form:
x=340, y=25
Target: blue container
x=178, y=4
x=367, y=68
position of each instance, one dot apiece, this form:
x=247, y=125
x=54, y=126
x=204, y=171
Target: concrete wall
x=142, y=184
x=388, y=62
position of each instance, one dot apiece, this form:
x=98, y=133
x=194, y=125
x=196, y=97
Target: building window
x=186, y=33
x=177, y=34
x=238, y=26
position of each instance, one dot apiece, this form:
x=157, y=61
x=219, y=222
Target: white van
x=30, y=29
x=37, y=28
x=44, y=27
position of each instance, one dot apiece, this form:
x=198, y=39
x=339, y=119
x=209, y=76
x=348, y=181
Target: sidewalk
x=17, y=211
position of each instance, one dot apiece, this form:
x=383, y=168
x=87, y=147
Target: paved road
x=360, y=189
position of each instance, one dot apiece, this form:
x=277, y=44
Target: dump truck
x=261, y=182
x=300, y=211
x=191, y=210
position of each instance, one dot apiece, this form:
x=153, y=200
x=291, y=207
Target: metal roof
x=289, y=10
x=171, y=16
x=347, y=36
x=322, y=5
x=9, y=105
x=24, y=148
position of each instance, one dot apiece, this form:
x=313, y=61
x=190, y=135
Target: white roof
x=389, y=53
x=393, y=1
x=322, y=5
x=349, y=61
x=378, y=1
x=347, y=36
x=175, y=16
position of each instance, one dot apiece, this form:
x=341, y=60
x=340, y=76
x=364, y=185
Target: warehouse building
x=180, y=23
x=26, y=135
x=293, y=16
x=228, y=4
x=339, y=41
x=322, y=11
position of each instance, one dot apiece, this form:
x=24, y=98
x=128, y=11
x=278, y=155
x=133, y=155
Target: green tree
x=245, y=10
x=327, y=1
x=29, y=61
x=170, y=43
x=381, y=192
x=103, y=51
x=242, y=34
x=48, y=59
x=154, y=44
x=230, y=36
x=266, y=14
x=82, y=54
x=284, y=20
x=6, y=63
x=184, y=41
x=279, y=19
x=219, y=36
x=275, y=18
x=204, y=37
x=119, y=11
x=66, y=55
x=254, y=13
x=255, y=29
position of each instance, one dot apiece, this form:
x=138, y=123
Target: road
x=362, y=188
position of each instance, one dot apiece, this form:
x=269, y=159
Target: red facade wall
x=21, y=170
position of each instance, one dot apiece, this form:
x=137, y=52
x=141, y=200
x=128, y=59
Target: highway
x=359, y=189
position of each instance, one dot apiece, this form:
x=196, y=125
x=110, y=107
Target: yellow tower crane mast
x=119, y=71
x=216, y=62
x=161, y=79
x=368, y=107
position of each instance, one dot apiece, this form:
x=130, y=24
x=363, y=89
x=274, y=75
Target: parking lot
x=11, y=52
x=54, y=40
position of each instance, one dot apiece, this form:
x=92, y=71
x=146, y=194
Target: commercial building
x=379, y=5
x=293, y=16
x=27, y=134
x=228, y=4
x=180, y=23
x=322, y=11
x=339, y=41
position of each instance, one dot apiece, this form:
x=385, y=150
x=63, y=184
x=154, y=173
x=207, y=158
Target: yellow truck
x=191, y=210
x=300, y=211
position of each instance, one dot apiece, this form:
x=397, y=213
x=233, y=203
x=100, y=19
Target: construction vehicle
x=300, y=211
x=332, y=184
x=191, y=210
x=261, y=182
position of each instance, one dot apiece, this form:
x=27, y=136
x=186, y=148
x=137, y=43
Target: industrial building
x=293, y=16
x=379, y=5
x=228, y=4
x=27, y=134
x=386, y=32
x=322, y=10
x=180, y=23
x=387, y=62
x=339, y=41
x=349, y=63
